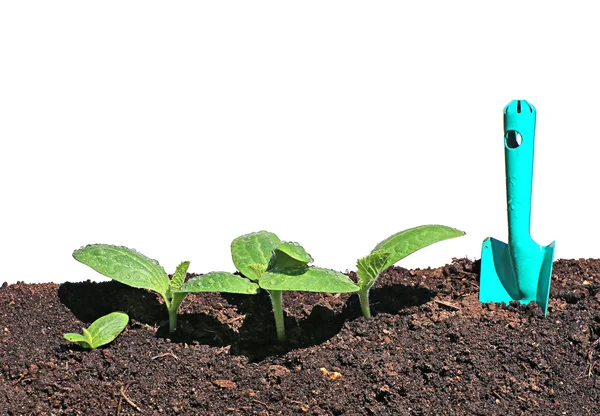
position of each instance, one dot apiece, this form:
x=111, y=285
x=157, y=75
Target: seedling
x=136, y=270
x=102, y=331
x=394, y=249
x=279, y=266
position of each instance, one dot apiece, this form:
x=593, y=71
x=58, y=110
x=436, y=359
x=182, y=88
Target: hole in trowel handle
x=513, y=139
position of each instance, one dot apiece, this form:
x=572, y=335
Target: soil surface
x=430, y=349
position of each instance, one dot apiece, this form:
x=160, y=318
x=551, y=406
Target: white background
x=174, y=127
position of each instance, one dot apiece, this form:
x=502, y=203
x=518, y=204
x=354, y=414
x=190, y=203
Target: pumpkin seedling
x=279, y=266
x=394, y=249
x=102, y=331
x=136, y=270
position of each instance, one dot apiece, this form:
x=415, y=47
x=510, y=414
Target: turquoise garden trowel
x=520, y=270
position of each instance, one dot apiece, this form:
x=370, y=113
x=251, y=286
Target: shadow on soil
x=395, y=298
x=256, y=338
x=89, y=301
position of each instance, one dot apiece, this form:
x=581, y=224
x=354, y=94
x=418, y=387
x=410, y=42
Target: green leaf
x=408, y=241
x=125, y=265
x=252, y=252
x=102, y=331
x=179, y=275
x=88, y=337
x=288, y=254
x=105, y=329
x=219, y=282
x=294, y=251
x=369, y=267
x=307, y=279
x=259, y=269
x=79, y=339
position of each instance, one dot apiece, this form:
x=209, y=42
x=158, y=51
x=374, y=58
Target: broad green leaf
x=408, y=241
x=102, y=331
x=179, y=275
x=369, y=267
x=307, y=279
x=288, y=254
x=251, y=251
x=219, y=282
x=105, y=329
x=125, y=265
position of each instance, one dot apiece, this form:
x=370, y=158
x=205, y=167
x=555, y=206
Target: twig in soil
x=20, y=378
x=128, y=400
x=591, y=370
x=448, y=305
x=258, y=401
x=166, y=354
x=590, y=357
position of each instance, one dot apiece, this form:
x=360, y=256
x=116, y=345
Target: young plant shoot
x=136, y=270
x=102, y=331
x=279, y=266
x=394, y=249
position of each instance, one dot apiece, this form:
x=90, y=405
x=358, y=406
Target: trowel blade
x=543, y=292
x=499, y=280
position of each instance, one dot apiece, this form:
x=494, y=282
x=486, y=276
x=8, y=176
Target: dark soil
x=430, y=349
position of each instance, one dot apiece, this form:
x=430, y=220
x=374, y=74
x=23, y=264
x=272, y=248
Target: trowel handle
x=519, y=134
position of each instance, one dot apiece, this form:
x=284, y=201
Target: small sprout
x=102, y=331
x=278, y=266
x=394, y=249
x=129, y=267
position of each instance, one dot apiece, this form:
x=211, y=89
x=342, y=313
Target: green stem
x=172, y=320
x=277, y=301
x=172, y=306
x=363, y=297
